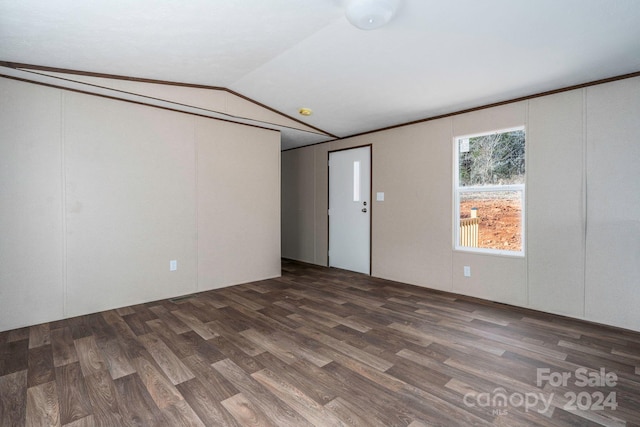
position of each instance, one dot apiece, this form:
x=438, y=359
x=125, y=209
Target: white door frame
x=370, y=205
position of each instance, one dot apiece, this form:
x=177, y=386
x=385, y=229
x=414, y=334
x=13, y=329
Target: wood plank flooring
x=319, y=347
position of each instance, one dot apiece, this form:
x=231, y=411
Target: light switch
x=173, y=265
x=380, y=197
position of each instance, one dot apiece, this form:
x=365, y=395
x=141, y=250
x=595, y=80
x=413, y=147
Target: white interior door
x=350, y=209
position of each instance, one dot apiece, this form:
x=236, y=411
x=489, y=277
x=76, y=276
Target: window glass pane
x=492, y=159
x=356, y=181
x=490, y=191
x=498, y=222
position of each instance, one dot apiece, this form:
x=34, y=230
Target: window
x=489, y=192
x=356, y=181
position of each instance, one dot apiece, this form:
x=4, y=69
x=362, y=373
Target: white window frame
x=457, y=190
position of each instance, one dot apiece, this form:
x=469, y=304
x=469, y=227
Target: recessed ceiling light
x=305, y=111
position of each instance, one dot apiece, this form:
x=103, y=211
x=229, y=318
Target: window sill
x=491, y=252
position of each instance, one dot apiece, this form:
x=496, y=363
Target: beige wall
x=98, y=195
x=298, y=198
x=612, y=288
x=582, y=205
x=238, y=203
x=31, y=205
x=556, y=203
x=405, y=247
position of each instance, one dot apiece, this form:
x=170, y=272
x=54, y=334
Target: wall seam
x=315, y=208
x=584, y=202
x=279, y=204
x=63, y=191
x=452, y=150
x=525, y=231
x=197, y=202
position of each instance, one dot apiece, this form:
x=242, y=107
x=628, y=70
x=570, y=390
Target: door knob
x=364, y=209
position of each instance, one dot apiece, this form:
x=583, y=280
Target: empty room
x=320, y=213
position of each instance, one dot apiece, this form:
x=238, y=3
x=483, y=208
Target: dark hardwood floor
x=319, y=347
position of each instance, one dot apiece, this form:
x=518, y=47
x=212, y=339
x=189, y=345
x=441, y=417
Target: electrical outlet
x=173, y=265
x=467, y=271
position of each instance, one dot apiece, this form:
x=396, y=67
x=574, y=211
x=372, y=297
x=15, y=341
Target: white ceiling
x=434, y=57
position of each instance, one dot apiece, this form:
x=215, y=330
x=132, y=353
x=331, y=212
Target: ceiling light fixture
x=370, y=14
x=305, y=111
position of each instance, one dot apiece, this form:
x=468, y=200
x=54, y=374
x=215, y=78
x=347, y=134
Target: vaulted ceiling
x=434, y=57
